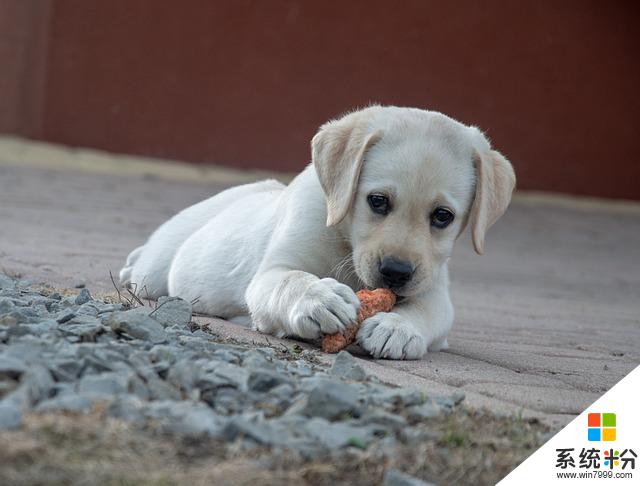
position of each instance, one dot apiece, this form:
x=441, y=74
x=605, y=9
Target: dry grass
x=465, y=448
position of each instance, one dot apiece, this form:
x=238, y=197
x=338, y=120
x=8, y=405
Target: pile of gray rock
x=151, y=366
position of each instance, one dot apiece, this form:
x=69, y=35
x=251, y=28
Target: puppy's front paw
x=388, y=335
x=325, y=308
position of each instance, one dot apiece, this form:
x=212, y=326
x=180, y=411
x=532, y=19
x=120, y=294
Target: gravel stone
x=265, y=380
x=197, y=344
x=161, y=390
x=27, y=348
x=225, y=400
x=65, y=369
x=17, y=331
x=94, y=361
x=89, y=309
x=426, y=411
x=107, y=308
x=458, y=396
x=268, y=352
x=105, y=385
x=7, y=386
x=137, y=324
x=43, y=327
x=65, y=315
x=284, y=392
x=445, y=403
x=345, y=366
x=65, y=403
x=263, y=432
x=83, y=297
x=301, y=368
x=172, y=311
x=231, y=375
x=6, y=305
x=337, y=435
x=332, y=400
x=18, y=316
x=184, y=375
x=66, y=302
x=84, y=327
x=161, y=352
x=257, y=360
x=10, y=415
x=127, y=407
x=37, y=383
x=11, y=367
x=186, y=418
x=388, y=421
x=228, y=356
x=6, y=282
x=139, y=388
x=398, y=397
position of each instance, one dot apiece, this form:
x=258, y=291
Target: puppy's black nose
x=395, y=273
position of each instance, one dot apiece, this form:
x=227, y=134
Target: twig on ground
x=134, y=296
x=115, y=286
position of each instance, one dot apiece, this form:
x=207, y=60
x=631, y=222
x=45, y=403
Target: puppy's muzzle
x=395, y=273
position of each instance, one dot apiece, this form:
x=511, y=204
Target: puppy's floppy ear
x=338, y=151
x=495, y=181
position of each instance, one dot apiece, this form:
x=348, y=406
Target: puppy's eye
x=379, y=204
x=441, y=218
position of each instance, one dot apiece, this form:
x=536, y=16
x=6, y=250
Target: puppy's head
x=401, y=184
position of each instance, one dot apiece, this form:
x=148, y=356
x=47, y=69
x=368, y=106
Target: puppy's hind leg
x=127, y=269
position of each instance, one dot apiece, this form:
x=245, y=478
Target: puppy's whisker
x=339, y=268
x=356, y=277
x=344, y=265
x=345, y=270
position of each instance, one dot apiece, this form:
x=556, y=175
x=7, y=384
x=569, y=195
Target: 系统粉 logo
x=602, y=427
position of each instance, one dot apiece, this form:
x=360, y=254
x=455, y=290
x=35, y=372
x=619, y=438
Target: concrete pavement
x=546, y=321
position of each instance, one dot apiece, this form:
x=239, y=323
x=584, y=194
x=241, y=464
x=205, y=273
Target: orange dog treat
x=371, y=302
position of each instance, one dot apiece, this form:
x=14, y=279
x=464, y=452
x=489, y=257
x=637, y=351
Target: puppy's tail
x=127, y=270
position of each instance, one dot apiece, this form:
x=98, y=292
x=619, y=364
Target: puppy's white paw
x=388, y=335
x=326, y=307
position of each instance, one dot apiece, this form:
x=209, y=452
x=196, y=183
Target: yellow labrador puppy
x=387, y=194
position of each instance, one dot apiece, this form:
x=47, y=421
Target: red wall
x=246, y=83
x=24, y=28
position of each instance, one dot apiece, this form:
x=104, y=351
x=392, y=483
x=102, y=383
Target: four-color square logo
x=602, y=427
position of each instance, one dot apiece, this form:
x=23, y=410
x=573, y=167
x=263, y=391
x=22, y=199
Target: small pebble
x=83, y=297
